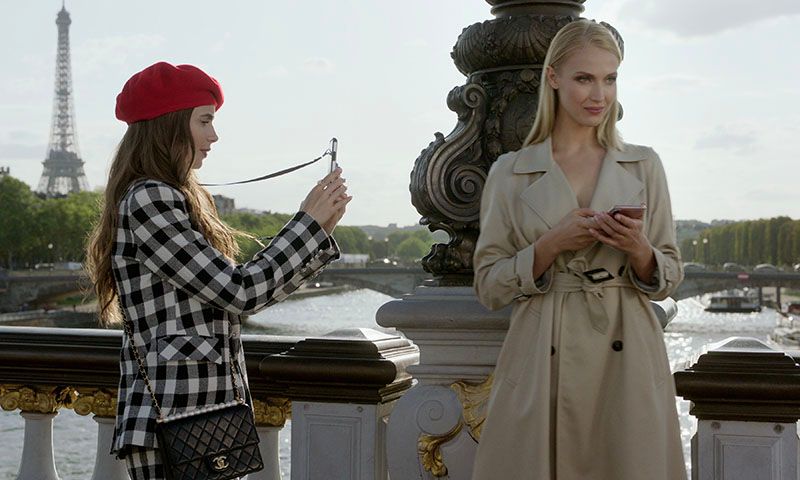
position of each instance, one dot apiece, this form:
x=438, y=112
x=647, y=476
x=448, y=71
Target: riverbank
x=84, y=315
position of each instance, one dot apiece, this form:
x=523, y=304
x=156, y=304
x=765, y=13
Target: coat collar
x=551, y=196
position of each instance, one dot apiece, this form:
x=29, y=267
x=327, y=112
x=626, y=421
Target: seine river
x=75, y=437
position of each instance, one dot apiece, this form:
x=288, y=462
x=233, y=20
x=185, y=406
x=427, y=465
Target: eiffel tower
x=63, y=167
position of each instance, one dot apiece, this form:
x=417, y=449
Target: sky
x=713, y=86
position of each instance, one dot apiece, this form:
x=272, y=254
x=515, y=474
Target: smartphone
x=630, y=211
x=334, y=148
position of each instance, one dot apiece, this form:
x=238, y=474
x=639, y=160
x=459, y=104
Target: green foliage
x=412, y=249
x=351, y=239
x=775, y=240
x=35, y=230
x=259, y=225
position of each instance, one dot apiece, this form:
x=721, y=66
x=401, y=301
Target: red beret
x=163, y=88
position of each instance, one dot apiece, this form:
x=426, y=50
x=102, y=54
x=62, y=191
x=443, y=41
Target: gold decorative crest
x=430, y=453
x=102, y=403
x=273, y=412
x=37, y=398
x=474, y=398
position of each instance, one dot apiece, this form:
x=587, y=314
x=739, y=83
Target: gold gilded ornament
x=273, y=412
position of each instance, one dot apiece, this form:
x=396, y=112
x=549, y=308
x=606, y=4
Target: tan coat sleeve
x=503, y=270
x=660, y=230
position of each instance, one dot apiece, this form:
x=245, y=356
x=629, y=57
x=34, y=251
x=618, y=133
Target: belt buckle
x=598, y=275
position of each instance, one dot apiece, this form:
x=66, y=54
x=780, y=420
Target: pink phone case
x=630, y=211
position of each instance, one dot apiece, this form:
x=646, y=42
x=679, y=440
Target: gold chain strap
x=142, y=370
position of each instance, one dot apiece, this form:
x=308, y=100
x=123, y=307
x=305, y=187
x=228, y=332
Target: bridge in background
x=26, y=287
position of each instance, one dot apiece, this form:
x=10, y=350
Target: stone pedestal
x=746, y=397
x=435, y=426
x=339, y=441
x=343, y=387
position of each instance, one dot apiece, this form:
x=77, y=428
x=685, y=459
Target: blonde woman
x=162, y=260
x=582, y=387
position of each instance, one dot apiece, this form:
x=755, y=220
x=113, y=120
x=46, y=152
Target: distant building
x=225, y=205
x=5, y=171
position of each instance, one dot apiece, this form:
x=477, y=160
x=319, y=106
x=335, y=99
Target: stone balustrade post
x=343, y=387
x=746, y=397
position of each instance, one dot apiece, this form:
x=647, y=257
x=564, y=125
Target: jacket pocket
x=189, y=347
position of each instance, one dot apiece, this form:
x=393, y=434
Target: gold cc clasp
x=220, y=463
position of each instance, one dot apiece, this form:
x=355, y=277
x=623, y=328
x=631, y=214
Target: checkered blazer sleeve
x=168, y=245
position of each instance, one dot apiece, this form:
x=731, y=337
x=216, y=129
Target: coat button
x=617, y=345
x=552, y=351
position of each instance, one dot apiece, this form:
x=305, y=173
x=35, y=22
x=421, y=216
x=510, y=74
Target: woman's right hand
x=572, y=232
x=326, y=201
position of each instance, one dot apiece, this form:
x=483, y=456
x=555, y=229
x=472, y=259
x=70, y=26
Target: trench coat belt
x=593, y=295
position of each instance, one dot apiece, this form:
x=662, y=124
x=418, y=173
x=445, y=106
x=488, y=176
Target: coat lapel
x=615, y=185
x=550, y=196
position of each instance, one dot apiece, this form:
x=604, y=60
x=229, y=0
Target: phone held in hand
x=334, y=148
x=631, y=211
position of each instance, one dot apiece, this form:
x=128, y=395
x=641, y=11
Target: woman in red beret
x=162, y=261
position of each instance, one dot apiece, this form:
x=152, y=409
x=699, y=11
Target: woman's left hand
x=621, y=232
x=625, y=234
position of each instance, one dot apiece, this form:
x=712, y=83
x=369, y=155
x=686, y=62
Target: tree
x=411, y=249
x=17, y=206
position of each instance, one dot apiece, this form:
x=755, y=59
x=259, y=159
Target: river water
x=75, y=437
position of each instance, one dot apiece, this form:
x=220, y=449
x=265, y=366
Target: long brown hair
x=158, y=149
x=573, y=37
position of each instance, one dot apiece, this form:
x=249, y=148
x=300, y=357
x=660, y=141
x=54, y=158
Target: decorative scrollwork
x=273, y=412
x=429, y=449
x=474, y=398
x=506, y=42
x=39, y=398
x=445, y=182
x=100, y=402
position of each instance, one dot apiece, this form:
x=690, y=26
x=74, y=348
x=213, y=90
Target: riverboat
x=733, y=303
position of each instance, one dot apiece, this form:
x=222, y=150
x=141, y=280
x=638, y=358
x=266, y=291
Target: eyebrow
x=207, y=116
x=592, y=75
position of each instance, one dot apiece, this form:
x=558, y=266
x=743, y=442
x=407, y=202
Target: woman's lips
x=595, y=110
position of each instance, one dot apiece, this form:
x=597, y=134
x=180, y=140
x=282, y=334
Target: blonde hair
x=572, y=38
x=158, y=149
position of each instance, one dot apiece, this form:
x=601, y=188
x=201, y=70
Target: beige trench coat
x=582, y=388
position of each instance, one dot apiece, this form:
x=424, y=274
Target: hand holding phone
x=631, y=211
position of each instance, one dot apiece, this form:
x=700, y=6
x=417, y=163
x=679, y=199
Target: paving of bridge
x=22, y=287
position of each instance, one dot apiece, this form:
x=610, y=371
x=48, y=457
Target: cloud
x=416, y=43
x=725, y=138
x=278, y=71
x=221, y=43
x=20, y=151
x=705, y=17
x=25, y=136
x=319, y=66
x=96, y=54
x=675, y=83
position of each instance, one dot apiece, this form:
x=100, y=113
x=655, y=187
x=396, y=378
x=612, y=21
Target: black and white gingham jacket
x=184, y=301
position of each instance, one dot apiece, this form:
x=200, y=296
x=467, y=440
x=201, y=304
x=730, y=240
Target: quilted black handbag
x=217, y=442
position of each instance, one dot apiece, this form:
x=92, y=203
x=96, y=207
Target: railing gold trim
x=272, y=412
x=36, y=398
x=101, y=402
x=474, y=398
x=430, y=453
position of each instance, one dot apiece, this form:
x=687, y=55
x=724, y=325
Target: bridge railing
x=338, y=390
x=746, y=397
